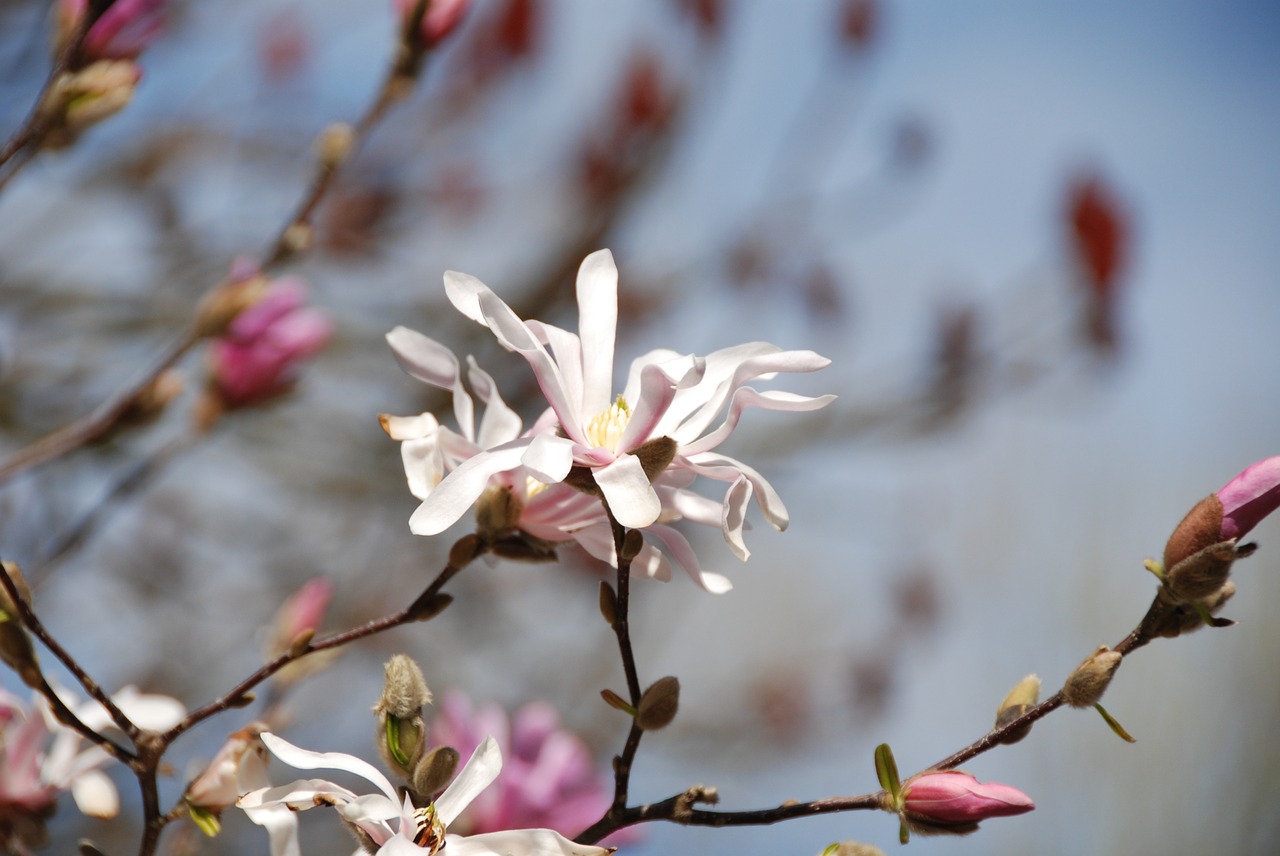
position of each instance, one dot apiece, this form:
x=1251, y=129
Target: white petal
x=95, y=795
x=519, y=842
x=297, y=796
x=656, y=391
x=724, y=468
x=433, y=363
x=736, y=499
x=408, y=427
x=500, y=423
x=514, y=335
x=684, y=556
x=423, y=466
x=281, y=824
x=304, y=759
x=674, y=363
x=548, y=458
x=597, y=288
x=478, y=773
x=631, y=497
x=567, y=351
x=464, y=292
x=746, y=365
x=746, y=397
x=462, y=487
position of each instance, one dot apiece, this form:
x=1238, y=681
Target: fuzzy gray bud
x=1085, y=686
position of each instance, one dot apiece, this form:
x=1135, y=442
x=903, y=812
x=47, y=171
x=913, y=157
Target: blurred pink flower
x=1249, y=497
x=261, y=351
x=122, y=32
x=953, y=798
x=440, y=18
x=548, y=778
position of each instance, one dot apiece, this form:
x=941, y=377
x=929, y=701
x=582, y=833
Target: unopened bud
x=1020, y=699
x=402, y=732
x=434, y=771
x=1201, y=527
x=497, y=512
x=15, y=644
x=656, y=455
x=1085, y=686
x=658, y=704
x=1202, y=573
x=608, y=603
x=463, y=551
x=297, y=237
x=852, y=848
x=632, y=544
x=78, y=99
x=245, y=286
x=335, y=143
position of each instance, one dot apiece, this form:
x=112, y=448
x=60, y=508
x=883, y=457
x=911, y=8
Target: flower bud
x=15, y=644
x=1186, y=617
x=608, y=603
x=1202, y=573
x=1020, y=699
x=440, y=18
x=402, y=732
x=295, y=625
x=434, y=771
x=956, y=802
x=78, y=99
x=658, y=704
x=1085, y=686
x=852, y=848
x=1249, y=497
x=218, y=786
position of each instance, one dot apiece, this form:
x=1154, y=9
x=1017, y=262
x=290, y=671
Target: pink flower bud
x=952, y=798
x=1249, y=497
x=440, y=18
x=122, y=32
x=262, y=349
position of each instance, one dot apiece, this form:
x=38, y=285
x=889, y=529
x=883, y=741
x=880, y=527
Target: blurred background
x=1038, y=242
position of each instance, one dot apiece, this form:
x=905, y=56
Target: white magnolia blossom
x=553, y=513
x=679, y=397
x=394, y=824
x=34, y=770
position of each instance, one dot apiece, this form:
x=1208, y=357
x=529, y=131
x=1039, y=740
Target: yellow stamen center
x=607, y=427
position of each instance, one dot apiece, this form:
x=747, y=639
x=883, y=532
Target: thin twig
x=65, y=715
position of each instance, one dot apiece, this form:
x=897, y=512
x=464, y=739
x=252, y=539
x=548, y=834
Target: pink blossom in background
x=264, y=347
x=440, y=18
x=122, y=32
x=951, y=797
x=1249, y=497
x=548, y=777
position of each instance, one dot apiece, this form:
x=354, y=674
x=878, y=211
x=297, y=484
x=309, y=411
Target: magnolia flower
x=548, y=778
x=661, y=423
x=394, y=825
x=513, y=500
x=263, y=347
x=239, y=766
x=952, y=801
x=40, y=758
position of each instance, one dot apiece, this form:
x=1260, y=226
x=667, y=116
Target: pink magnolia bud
x=1249, y=497
x=952, y=798
x=122, y=32
x=261, y=351
x=440, y=18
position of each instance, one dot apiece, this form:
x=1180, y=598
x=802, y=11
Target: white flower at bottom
x=397, y=826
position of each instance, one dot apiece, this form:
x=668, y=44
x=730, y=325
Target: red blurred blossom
x=956, y=799
x=285, y=47
x=263, y=348
x=517, y=27
x=858, y=19
x=642, y=109
x=123, y=31
x=548, y=778
x=440, y=18
x=1100, y=241
x=1249, y=497
x=708, y=15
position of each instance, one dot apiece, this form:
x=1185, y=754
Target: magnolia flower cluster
x=639, y=450
x=395, y=825
x=40, y=759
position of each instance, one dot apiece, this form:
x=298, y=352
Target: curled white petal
x=462, y=487
x=479, y=772
x=631, y=497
